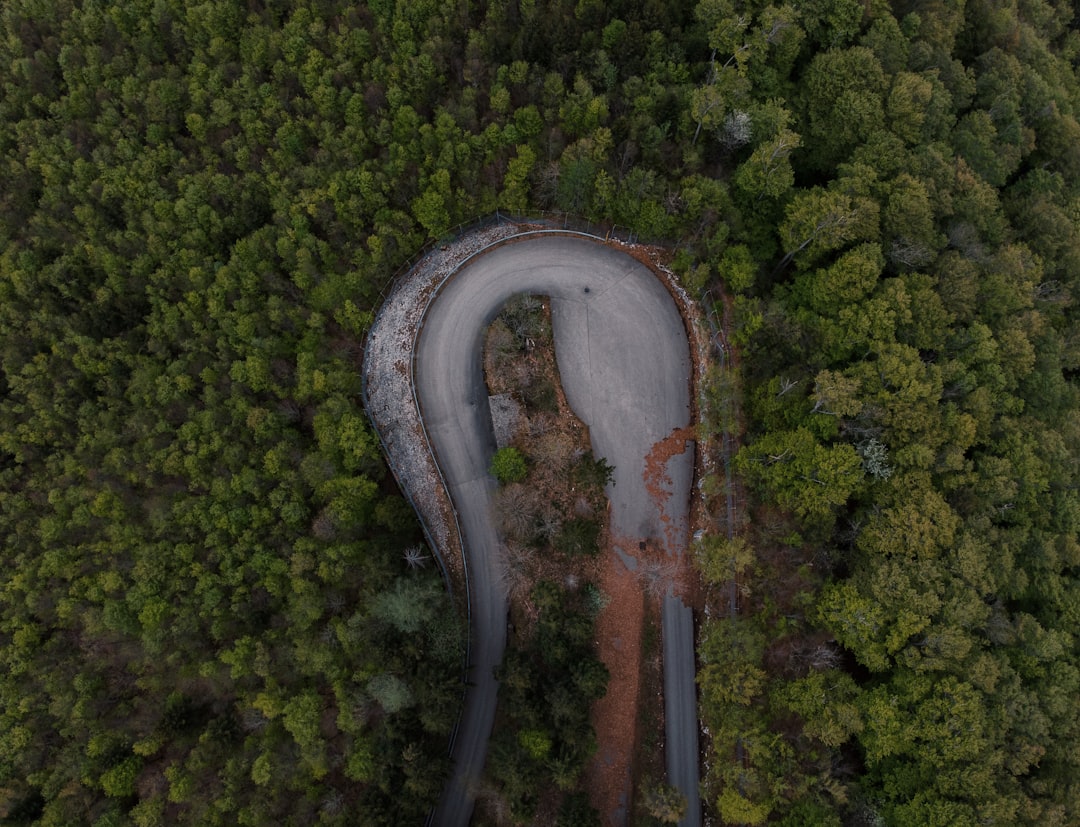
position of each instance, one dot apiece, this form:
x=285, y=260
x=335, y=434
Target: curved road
x=624, y=363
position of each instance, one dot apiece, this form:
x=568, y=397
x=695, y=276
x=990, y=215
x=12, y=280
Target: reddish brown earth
x=657, y=481
x=614, y=717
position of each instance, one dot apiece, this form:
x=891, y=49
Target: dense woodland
x=212, y=608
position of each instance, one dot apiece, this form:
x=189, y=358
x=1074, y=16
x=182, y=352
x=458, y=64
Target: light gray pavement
x=624, y=363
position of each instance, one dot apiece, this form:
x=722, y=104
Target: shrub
x=594, y=473
x=578, y=536
x=665, y=803
x=577, y=812
x=508, y=465
x=540, y=395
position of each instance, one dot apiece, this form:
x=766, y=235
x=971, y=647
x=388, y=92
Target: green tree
x=390, y=692
x=665, y=803
x=858, y=622
x=804, y=475
x=768, y=173
x=819, y=221
x=720, y=559
x=736, y=808
x=842, y=93
x=826, y=701
x=907, y=105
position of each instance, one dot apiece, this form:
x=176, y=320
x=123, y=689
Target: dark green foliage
x=910, y=401
x=577, y=812
x=665, y=803
x=203, y=593
x=540, y=395
x=25, y=809
x=593, y=473
x=197, y=518
x=548, y=683
x=578, y=536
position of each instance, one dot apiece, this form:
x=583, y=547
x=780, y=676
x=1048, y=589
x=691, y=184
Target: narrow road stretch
x=624, y=362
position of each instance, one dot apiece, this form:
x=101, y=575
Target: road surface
x=624, y=363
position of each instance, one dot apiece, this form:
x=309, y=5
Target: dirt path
x=615, y=716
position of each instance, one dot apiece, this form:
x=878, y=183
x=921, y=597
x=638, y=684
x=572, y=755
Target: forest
x=215, y=605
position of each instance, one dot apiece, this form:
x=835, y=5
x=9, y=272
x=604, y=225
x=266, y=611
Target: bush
x=540, y=395
x=595, y=473
x=665, y=803
x=578, y=536
x=577, y=812
x=508, y=465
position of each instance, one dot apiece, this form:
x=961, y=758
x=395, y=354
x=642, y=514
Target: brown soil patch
x=658, y=483
x=671, y=564
x=615, y=716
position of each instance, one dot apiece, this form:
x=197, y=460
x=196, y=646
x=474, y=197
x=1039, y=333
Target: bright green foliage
x=719, y=558
x=508, y=465
x=768, y=173
x=737, y=269
x=819, y=221
x=857, y=621
x=825, y=701
x=804, y=475
x=431, y=213
x=119, y=781
x=735, y=808
x=731, y=671
x=536, y=742
x=850, y=280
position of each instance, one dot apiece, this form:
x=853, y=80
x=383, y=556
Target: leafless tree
x=547, y=184
x=252, y=720
x=325, y=526
x=515, y=569
x=963, y=236
x=908, y=253
x=657, y=573
x=333, y=803
x=414, y=557
x=736, y=131
x=786, y=385
x=1053, y=292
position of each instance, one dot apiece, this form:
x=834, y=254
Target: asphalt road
x=625, y=366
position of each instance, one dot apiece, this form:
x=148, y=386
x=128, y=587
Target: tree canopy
x=212, y=606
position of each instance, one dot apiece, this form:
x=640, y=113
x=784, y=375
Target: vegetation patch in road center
x=554, y=526
x=550, y=510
